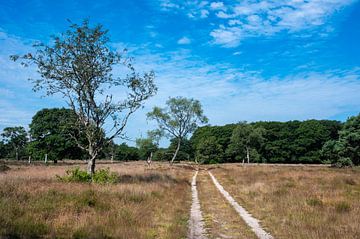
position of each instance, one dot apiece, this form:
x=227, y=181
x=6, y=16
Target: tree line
x=308, y=142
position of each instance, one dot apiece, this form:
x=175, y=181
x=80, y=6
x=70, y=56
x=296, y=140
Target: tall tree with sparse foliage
x=16, y=137
x=79, y=66
x=178, y=119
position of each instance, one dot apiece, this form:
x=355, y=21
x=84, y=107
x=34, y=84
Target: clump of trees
x=272, y=142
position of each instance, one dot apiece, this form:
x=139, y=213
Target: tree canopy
x=178, y=119
x=51, y=131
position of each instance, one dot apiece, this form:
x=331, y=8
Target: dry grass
x=297, y=202
x=221, y=220
x=147, y=203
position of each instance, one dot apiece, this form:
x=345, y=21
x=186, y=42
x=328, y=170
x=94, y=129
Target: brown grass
x=297, y=202
x=147, y=203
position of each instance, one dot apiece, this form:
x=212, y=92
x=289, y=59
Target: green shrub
x=104, y=176
x=101, y=176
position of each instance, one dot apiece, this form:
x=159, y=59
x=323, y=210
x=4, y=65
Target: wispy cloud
x=239, y=20
x=184, y=41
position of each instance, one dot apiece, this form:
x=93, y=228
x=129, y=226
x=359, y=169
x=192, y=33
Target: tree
x=349, y=136
x=126, y=153
x=186, y=150
x=244, y=139
x=146, y=146
x=79, y=66
x=16, y=137
x=50, y=131
x=180, y=118
x=4, y=150
x=346, y=150
x=208, y=151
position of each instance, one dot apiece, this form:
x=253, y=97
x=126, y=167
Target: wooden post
x=29, y=161
x=112, y=158
x=45, y=158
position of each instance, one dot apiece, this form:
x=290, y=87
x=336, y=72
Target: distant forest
x=307, y=142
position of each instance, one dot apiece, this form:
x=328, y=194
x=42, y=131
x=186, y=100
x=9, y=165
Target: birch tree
x=245, y=137
x=79, y=65
x=178, y=119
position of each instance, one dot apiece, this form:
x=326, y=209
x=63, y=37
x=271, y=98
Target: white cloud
x=184, y=41
x=217, y=6
x=204, y=13
x=227, y=37
x=223, y=15
x=264, y=17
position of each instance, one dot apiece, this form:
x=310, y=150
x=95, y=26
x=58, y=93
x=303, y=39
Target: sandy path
x=196, y=223
x=252, y=222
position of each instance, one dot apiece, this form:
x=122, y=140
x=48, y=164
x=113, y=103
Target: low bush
x=100, y=176
x=104, y=176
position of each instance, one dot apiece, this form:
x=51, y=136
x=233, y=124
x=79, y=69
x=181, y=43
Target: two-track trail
x=215, y=214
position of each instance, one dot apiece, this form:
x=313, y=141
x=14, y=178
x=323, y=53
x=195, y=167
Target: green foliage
x=124, y=152
x=178, y=119
x=51, y=131
x=345, y=151
x=186, y=150
x=283, y=142
x=245, y=140
x=146, y=146
x=349, y=138
x=100, y=176
x=16, y=138
x=103, y=176
x=209, y=151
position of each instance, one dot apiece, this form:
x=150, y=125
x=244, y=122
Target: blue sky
x=244, y=60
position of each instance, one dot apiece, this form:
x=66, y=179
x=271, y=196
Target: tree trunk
x=16, y=154
x=176, y=151
x=29, y=161
x=91, y=166
x=45, y=158
x=91, y=162
x=247, y=155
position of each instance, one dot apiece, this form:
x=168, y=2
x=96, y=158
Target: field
x=155, y=202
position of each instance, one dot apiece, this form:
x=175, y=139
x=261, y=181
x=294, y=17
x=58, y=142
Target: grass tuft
x=342, y=207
